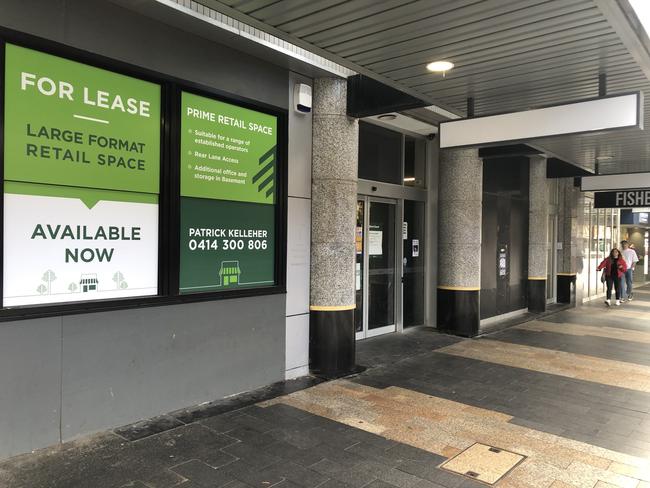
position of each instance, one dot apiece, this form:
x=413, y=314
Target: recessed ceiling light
x=440, y=66
x=603, y=158
x=387, y=117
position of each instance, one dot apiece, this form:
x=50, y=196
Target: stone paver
x=570, y=392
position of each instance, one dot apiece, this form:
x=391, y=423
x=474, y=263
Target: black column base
x=332, y=343
x=458, y=311
x=566, y=289
x=537, y=296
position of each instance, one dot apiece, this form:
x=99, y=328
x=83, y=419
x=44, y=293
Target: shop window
x=380, y=154
x=88, y=224
x=415, y=156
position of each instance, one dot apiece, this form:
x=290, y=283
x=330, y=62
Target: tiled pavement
x=571, y=392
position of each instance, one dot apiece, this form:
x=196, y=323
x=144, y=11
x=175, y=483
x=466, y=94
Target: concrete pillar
x=537, y=235
x=459, y=241
x=335, y=143
x=569, y=256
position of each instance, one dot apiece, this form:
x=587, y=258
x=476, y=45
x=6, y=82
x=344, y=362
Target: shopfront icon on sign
x=229, y=273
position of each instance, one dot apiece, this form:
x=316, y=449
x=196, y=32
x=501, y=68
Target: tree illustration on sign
x=72, y=287
x=41, y=289
x=118, y=278
x=49, y=277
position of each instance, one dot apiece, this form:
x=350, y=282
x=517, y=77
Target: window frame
x=169, y=191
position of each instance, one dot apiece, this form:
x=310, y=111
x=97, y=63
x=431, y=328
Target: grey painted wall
x=299, y=236
x=103, y=28
x=67, y=376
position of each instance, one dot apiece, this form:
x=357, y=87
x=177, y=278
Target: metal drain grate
x=484, y=463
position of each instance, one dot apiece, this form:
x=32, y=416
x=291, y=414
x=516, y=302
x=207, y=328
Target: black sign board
x=622, y=199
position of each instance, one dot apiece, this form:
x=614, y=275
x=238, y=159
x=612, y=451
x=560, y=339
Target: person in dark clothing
x=615, y=267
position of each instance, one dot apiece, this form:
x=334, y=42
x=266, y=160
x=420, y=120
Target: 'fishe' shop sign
x=622, y=199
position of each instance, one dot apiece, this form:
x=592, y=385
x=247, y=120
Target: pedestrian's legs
x=629, y=279
x=609, y=287
x=621, y=283
x=617, y=287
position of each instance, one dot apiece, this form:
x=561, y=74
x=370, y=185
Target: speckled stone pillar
x=537, y=235
x=569, y=259
x=334, y=200
x=459, y=240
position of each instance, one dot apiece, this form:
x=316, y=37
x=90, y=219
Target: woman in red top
x=614, y=267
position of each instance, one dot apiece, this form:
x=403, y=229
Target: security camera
x=302, y=98
x=431, y=136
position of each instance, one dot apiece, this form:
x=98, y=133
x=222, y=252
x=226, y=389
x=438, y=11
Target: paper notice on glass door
x=375, y=238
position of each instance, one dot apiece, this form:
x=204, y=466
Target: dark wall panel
x=504, y=236
x=488, y=305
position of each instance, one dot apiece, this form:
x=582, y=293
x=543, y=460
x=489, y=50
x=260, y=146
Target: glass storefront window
x=380, y=154
x=601, y=232
x=388, y=156
x=359, y=243
x=608, y=231
x=415, y=156
x=593, y=253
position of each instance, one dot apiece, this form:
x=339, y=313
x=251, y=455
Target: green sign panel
x=227, y=152
x=68, y=123
x=226, y=245
x=82, y=169
x=228, y=187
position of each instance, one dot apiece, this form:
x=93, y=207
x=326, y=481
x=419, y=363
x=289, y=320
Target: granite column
x=459, y=241
x=334, y=199
x=537, y=235
x=568, y=229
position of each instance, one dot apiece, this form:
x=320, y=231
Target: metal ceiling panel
x=337, y=16
x=410, y=53
x=510, y=55
x=362, y=25
x=486, y=12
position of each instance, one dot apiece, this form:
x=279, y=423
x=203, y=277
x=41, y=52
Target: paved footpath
x=556, y=403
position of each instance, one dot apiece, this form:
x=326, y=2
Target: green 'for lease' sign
x=67, y=123
x=81, y=182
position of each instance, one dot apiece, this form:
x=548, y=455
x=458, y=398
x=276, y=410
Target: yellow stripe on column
x=567, y=274
x=537, y=278
x=459, y=288
x=331, y=308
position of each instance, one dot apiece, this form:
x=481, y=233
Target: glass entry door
x=413, y=232
x=376, y=276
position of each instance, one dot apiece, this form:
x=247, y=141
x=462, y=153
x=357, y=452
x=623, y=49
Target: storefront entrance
x=390, y=265
x=376, y=265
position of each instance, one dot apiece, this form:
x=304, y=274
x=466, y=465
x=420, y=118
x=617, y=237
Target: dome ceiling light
x=440, y=67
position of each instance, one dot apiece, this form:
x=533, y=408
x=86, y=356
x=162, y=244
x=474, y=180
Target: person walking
x=615, y=267
x=631, y=258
